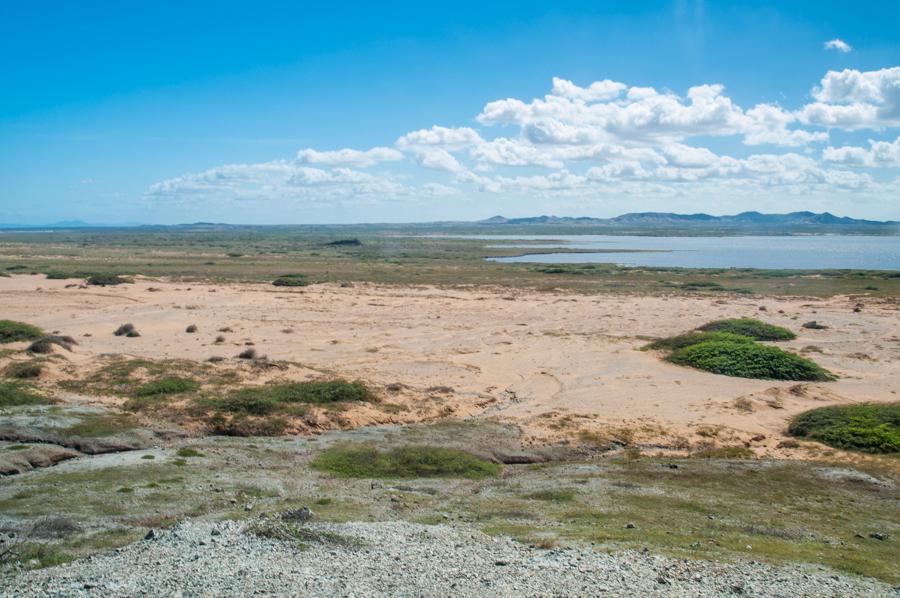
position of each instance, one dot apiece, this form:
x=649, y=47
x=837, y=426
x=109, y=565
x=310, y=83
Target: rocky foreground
x=405, y=559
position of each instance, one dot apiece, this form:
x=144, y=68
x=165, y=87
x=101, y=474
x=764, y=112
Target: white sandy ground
x=202, y=559
x=553, y=362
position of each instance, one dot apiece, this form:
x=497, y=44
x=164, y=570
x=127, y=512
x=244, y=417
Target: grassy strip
x=364, y=461
x=866, y=427
x=273, y=398
x=14, y=394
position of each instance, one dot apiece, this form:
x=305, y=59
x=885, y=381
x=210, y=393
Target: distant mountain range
x=793, y=219
x=639, y=222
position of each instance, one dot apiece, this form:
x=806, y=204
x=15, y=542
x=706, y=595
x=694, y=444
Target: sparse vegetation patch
x=365, y=461
x=167, y=386
x=274, y=398
x=24, y=369
x=865, y=427
x=14, y=394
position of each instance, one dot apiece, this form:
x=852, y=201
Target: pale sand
x=555, y=363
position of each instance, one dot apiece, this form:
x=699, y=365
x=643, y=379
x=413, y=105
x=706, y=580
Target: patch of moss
x=749, y=360
x=364, y=461
x=749, y=327
x=865, y=427
x=187, y=452
x=12, y=331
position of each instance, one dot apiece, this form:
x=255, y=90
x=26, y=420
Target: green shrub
x=14, y=394
x=866, y=427
x=363, y=461
x=23, y=370
x=674, y=343
x=45, y=344
x=12, y=331
x=167, y=386
x=751, y=328
x=749, y=360
x=264, y=400
x=106, y=280
x=291, y=280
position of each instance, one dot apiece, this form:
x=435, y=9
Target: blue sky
x=269, y=112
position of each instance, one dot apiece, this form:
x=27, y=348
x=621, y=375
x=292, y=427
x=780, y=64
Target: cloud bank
x=606, y=139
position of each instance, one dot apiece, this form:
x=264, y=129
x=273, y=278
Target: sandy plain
x=561, y=365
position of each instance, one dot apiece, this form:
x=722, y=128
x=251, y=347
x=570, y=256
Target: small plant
x=749, y=360
x=220, y=339
x=167, y=386
x=191, y=329
x=751, y=328
x=865, y=427
x=24, y=370
x=291, y=280
x=12, y=331
x=45, y=344
x=364, y=461
x=247, y=354
x=124, y=330
x=14, y=394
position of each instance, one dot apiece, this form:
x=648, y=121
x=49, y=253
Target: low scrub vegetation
x=167, y=386
x=106, y=280
x=45, y=344
x=12, y=331
x=126, y=330
x=866, y=427
x=364, y=461
x=14, y=394
x=291, y=280
x=730, y=348
x=750, y=328
x=24, y=369
x=749, y=360
x=285, y=398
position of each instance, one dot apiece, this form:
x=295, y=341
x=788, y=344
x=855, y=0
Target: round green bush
x=750, y=328
x=865, y=427
x=749, y=360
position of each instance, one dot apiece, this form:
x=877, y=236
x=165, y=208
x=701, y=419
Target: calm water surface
x=795, y=252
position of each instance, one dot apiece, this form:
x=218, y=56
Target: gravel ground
x=404, y=559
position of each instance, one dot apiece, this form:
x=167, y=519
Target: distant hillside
x=793, y=219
